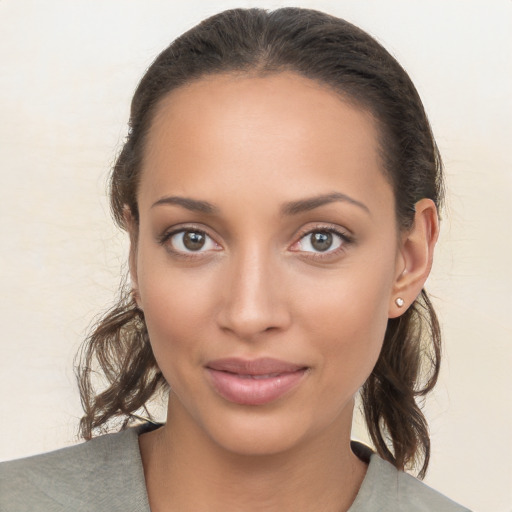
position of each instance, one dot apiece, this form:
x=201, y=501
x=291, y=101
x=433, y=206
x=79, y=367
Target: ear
x=132, y=226
x=415, y=257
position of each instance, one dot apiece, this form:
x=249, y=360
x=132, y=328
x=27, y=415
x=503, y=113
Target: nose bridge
x=253, y=301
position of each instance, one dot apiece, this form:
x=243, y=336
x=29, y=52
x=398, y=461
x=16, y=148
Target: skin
x=249, y=146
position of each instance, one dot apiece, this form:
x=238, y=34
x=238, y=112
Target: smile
x=255, y=382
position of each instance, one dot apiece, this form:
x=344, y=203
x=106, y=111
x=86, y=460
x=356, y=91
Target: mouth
x=254, y=382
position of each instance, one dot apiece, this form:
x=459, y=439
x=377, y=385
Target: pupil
x=193, y=240
x=321, y=241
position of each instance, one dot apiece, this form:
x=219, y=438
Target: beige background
x=67, y=71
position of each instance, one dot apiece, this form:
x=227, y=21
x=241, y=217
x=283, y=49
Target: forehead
x=252, y=131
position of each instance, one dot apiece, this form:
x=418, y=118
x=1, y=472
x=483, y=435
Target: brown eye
x=193, y=240
x=188, y=241
x=321, y=240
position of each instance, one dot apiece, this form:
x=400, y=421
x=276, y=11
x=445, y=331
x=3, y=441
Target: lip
x=254, y=382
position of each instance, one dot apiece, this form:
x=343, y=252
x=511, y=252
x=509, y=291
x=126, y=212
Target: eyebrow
x=310, y=203
x=193, y=205
x=290, y=208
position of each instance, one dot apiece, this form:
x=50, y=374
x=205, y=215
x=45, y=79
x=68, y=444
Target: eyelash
x=345, y=240
x=344, y=237
x=165, y=237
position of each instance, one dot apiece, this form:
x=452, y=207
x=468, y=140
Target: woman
x=280, y=186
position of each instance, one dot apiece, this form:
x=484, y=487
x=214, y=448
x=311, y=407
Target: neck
x=186, y=470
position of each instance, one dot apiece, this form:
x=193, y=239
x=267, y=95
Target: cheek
x=171, y=306
x=170, y=293
x=351, y=302
x=177, y=306
x=174, y=322
x=348, y=318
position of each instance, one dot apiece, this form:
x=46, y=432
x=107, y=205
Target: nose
x=254, y=297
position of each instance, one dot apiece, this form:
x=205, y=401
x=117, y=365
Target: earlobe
x=415, y=259
x=132, y=228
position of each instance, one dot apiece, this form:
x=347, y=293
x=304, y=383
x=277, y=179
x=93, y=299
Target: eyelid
x=345, y=235
x=166, y=236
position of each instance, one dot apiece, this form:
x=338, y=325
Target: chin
x=208, y=421
x=243, y=430
x=258, y=438
x=274, y=430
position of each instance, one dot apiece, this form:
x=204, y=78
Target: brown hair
x=333, y=52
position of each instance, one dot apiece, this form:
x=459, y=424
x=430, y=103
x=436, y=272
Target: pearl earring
x=399, y=302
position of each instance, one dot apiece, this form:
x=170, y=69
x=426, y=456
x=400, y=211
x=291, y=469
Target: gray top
x=106, y=473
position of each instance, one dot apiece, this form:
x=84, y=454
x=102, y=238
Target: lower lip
x=254, y=391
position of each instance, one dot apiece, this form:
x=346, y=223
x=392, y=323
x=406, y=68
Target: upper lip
x=261, y=366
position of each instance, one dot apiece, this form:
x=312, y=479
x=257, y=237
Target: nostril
x=248, y=325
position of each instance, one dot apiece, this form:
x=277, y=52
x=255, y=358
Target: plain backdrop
x=67, y=72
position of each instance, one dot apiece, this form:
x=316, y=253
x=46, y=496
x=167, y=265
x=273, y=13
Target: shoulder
x=104, y=473
x=388, y=490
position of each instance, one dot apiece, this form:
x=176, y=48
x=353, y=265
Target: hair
x=335, y=53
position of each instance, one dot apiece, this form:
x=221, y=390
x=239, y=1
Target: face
x=265, y=258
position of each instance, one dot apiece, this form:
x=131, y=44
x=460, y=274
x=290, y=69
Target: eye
x=321, y=241
x=190, y=240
